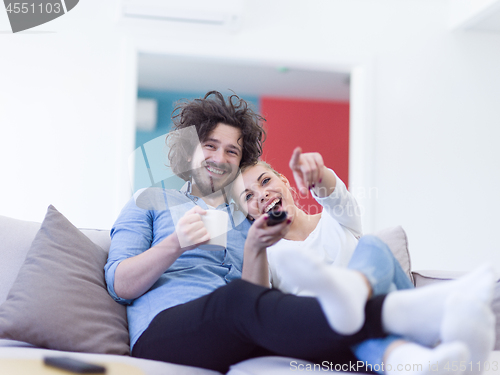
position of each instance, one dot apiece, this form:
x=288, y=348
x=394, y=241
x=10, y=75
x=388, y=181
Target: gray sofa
x=53, y=300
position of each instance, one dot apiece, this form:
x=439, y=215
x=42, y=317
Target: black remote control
x=74, y=365
x=276, y=217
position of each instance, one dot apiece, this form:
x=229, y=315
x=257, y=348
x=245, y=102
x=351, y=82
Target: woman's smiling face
x=260, y=191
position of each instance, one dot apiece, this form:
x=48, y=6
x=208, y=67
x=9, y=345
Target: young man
x=187, y=305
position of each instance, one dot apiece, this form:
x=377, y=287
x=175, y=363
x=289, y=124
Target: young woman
x=309, y=261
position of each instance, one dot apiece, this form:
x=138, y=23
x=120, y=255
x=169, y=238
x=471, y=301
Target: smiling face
x=216, y=160
x=260, y=191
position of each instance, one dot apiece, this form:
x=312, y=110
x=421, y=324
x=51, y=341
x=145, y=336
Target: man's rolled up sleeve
x=130, y=236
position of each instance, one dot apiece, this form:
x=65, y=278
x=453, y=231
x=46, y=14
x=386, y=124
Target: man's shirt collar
x=187, y=188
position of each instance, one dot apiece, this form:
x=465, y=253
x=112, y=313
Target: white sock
x=342, y=293
x=418, y=313
x=471, y=321
x=414, y=359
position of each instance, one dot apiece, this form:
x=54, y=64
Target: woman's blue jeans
x=374, y=259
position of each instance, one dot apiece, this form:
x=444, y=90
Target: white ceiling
x=173, y=73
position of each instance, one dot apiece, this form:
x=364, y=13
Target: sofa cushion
x=59, y=299
x=286, y=366
x=423, y=278
x=15, y=240
x=16, y=237
x=396, y=239
x=274, y=366
x=100, y=237
x=148, y=367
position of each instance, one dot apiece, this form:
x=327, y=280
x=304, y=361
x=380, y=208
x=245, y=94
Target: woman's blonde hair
x=262, y=163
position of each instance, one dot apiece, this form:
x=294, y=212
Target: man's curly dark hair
x=205, y=114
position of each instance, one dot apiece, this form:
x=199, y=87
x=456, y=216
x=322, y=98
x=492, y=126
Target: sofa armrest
x=427, y=277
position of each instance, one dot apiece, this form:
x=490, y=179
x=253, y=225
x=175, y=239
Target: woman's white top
x=332, y=241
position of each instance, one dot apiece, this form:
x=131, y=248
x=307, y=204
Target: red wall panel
x=316, y=126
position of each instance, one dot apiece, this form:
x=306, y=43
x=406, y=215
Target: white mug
x=216, y=223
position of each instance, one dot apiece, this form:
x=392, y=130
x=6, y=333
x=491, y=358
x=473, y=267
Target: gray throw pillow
x=59, y=299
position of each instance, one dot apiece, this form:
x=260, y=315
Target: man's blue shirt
x=147, y=219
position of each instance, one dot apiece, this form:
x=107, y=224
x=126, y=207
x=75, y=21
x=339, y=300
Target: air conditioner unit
x=217, y=13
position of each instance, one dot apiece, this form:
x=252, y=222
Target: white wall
x=464, y=14
x=433, y=111
x=62, y=116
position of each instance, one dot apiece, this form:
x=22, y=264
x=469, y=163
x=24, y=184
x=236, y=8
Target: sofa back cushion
x=16, y=237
